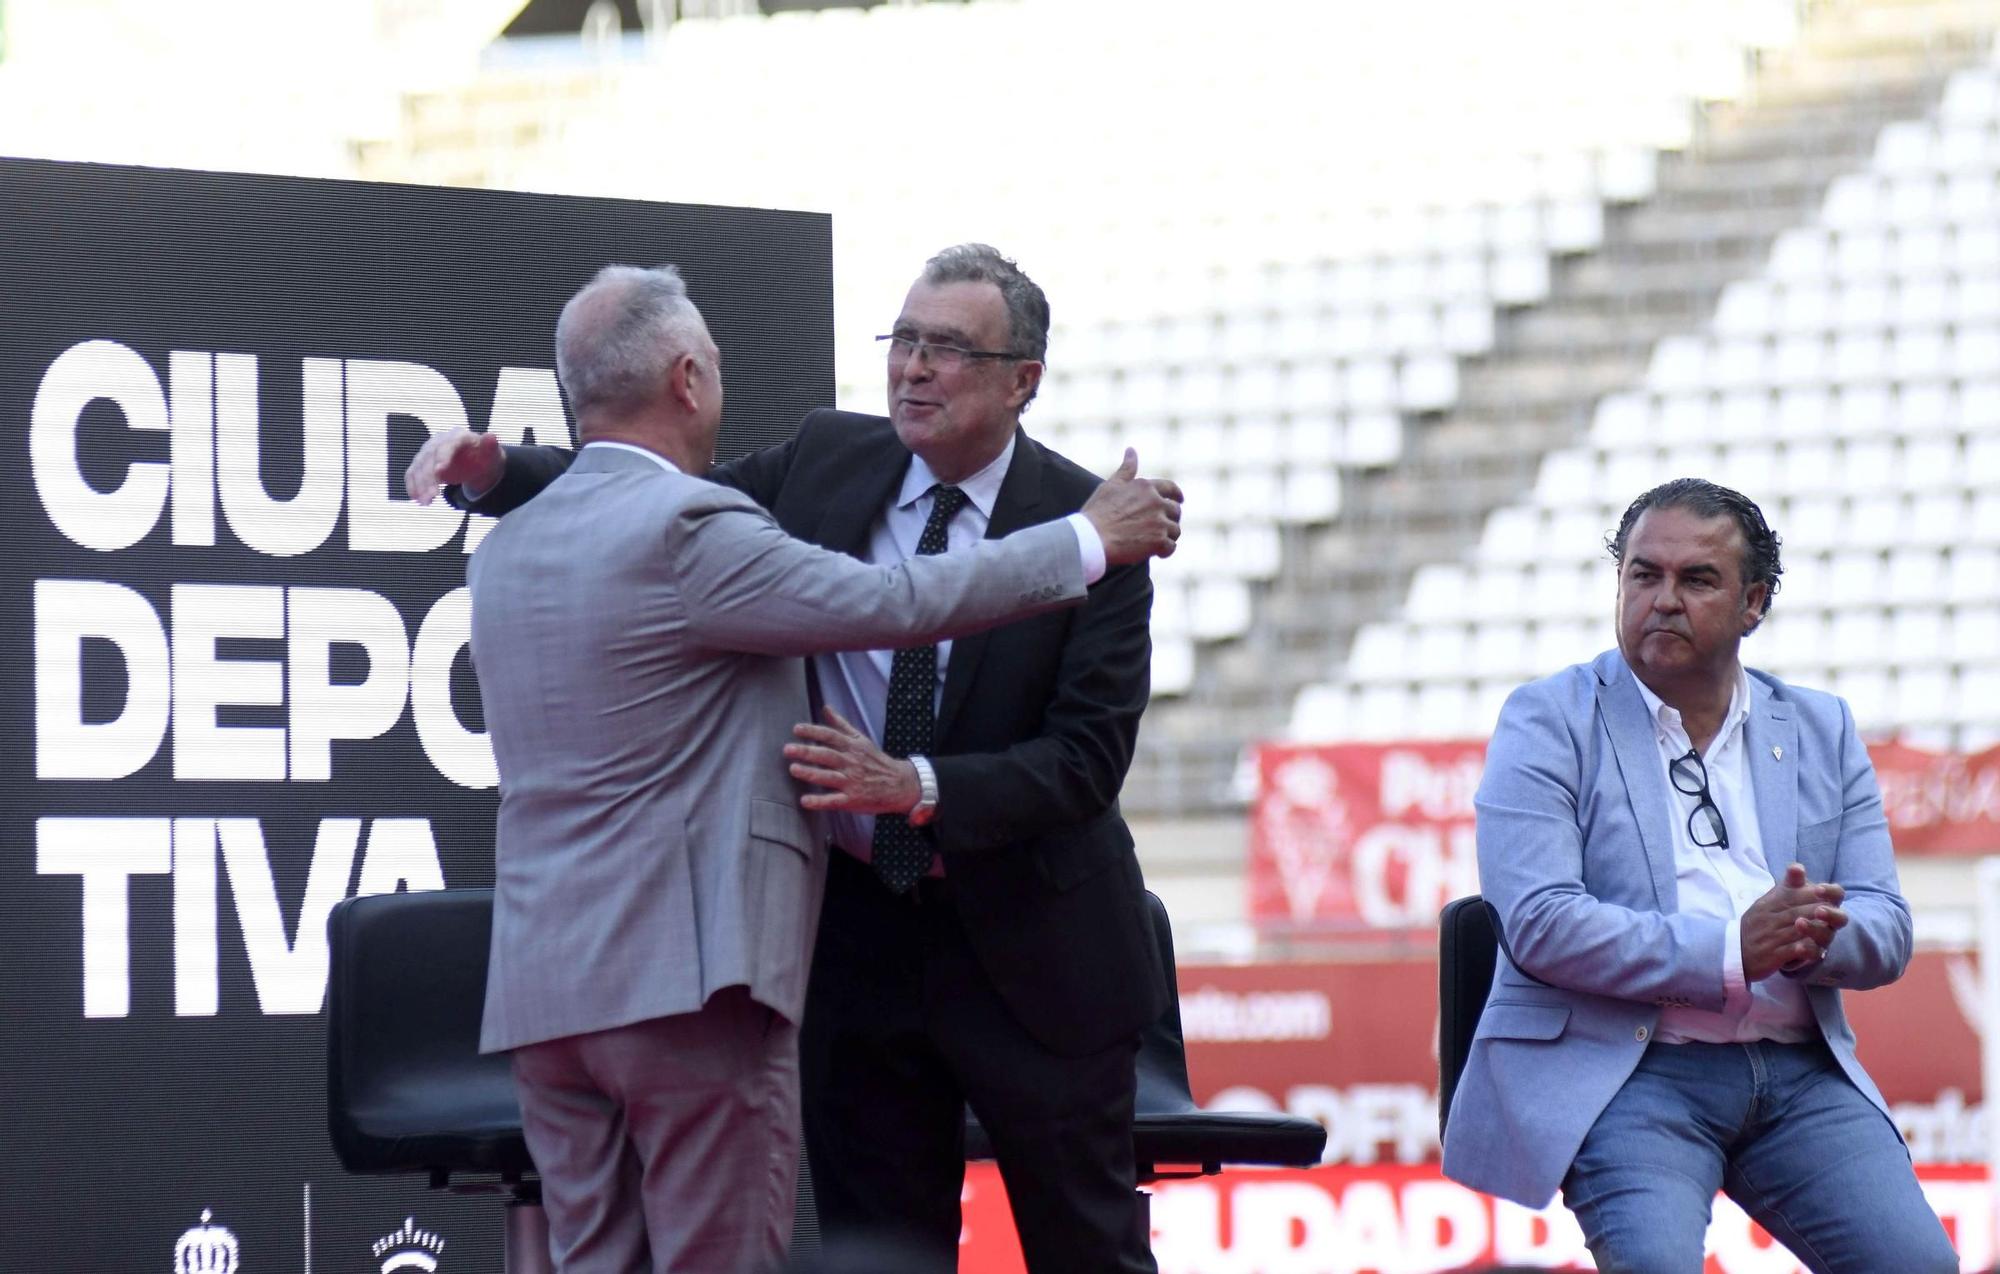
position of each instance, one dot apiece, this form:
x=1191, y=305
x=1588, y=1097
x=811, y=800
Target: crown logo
x=409, y=1249
x=206, y=1249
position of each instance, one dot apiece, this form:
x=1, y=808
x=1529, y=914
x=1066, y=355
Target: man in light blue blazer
x=1689, y=863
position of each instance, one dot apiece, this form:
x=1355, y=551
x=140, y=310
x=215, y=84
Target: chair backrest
x=407, y=1088
x=1468, y=946
x=1170, y=1132
x=1162, y=1063
x=1170, y=1129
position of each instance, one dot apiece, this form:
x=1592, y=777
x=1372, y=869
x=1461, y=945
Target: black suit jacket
x=1035, y=733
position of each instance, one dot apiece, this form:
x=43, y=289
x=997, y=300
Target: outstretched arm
x=1069, y=770
x=747, y=586
x=459, y=460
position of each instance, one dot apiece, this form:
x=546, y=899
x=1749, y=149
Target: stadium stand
x=1261, y=295
x=221, y=84
x=1851, y=385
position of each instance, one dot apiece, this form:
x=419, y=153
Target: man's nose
x=1666, y=597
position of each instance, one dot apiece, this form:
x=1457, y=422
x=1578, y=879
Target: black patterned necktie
x=902, y=853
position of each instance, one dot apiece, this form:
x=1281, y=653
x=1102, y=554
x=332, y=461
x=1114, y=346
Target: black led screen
x=234, y=686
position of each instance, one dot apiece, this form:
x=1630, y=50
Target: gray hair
x=1027, y=308
x=620, y=333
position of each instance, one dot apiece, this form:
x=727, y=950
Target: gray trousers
x=668, y=1145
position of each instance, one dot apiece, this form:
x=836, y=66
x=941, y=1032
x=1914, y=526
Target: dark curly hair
x=1707, y=500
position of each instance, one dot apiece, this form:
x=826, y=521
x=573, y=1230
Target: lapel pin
x=1777, y=753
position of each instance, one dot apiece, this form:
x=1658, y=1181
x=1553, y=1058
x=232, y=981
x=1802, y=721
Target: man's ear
x=684, y=383
x=1027, y=378
x=1756, y=600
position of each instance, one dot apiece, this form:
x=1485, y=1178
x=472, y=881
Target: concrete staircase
x=1757, y=168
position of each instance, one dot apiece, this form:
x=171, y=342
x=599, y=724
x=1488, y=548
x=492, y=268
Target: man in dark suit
x=990, y=947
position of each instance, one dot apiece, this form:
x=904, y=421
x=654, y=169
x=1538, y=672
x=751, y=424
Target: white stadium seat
x=1269, y=322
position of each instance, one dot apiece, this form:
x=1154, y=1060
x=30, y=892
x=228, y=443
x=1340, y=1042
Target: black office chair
x=407, y=1090
x=1468, y=947
x=1171, y=1136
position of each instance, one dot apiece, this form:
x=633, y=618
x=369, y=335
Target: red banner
x=1360, y=836
x=1354, y=1045
x=1937, y=803
x=1410, y=1221
x=1376, y=838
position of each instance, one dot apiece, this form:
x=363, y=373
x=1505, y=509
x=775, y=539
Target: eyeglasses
x=942, y=356
x=1690, y=776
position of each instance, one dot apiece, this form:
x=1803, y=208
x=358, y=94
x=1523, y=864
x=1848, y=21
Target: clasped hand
x=1789, y=929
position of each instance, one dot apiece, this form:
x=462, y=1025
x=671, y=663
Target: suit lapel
x=1638, y=754
x=1020, y=491
x=1015, y=507
x=1772, y=738
x=862, y=494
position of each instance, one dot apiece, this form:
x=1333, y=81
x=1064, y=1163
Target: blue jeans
x=1780, y=1128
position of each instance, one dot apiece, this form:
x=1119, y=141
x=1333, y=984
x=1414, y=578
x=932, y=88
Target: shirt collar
x=982, y=488
x=1667, y=719
x=653, y=456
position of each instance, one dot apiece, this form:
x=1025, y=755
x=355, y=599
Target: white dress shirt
x=856, y=683
x=1711, y=881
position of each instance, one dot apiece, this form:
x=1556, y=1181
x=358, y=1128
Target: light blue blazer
x=1576, y=854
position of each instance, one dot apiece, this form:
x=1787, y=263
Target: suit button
x=1640, y=1035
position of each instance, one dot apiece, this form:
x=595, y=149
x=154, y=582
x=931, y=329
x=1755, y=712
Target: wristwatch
x=926, y=807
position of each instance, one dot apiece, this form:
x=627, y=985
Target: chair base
x=524, y=1234
x=526, y=1249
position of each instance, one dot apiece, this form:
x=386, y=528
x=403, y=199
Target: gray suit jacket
x=636, y=635
x=1576, y=855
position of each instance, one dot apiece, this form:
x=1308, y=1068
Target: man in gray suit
x=657, y=885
